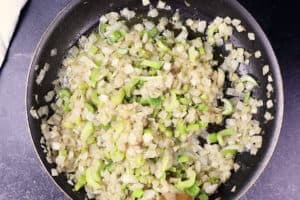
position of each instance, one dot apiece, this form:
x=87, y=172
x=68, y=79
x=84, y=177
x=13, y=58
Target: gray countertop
x=23, y=177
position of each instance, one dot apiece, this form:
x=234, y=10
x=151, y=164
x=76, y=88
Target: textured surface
x=22, y=176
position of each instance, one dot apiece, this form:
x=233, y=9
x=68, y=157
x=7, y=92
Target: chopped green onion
x=247, y=97
x=118, y=97
x=173, y=102
x=229, y=152
x=117, y=156
x=148, y=131
x=67, y=107
x=183, y=101
x=63, y=152
x=95, y=99
x=83, y=86
x=153, y=32
x=81, y=181
x=228, y=107
x=204, y=97
x=214, y=180
x=181, y=128
x=155, y=102
x=202, y=107
x=202, y=51
x=94, y=77
x=223, y=133
x=203, y=196
x=123, y=32
x=93, y=178
x=193, y=191
x=115, y=36
x=138, y=193
x=87, y=131
x=212, y=138
x=250, y=79
x=183, y=159
x=65, y=93
x=152, y=64
x=130, y=86
x=104, y=126
x=182, y=185
x=93, y=49
x=193, y=127
x=192, y=54
x=168, y=132
x=90, y=107
x=103, y=28
x=162, y=46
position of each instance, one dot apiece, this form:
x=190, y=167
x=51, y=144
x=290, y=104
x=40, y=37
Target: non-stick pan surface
x=78, y=18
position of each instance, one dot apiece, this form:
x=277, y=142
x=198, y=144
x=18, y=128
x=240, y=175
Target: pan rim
x=273, y=63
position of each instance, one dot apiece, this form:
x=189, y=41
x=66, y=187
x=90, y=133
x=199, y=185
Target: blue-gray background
x=21, y=175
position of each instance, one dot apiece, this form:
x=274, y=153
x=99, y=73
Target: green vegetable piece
x=183, y=159
x=202, y=107
x=63, y=153
x=67, y=107
x=214, y=180
x=165, y=161
x=90, y=107
x=95, y=99
x=228, y=107
x=119, y=126
x=153, y=32
x=93, y=49
x=168, y=132
x=183, y=101
x=155, y=102
x=193, y=54
x=138, y=193
x=117, y=155
x=103, y=28
x=81, y=181
x=223, y=133
x=94, y=78
x=182, y=185
x=247, y=97
x=202, y=51
x=123, y=32
x=118, y=97
x=204, y=97
x=152, y=64
x=210, y=33
x=181, y=128
x=148, y=131
x=229, y=152
x=212, y=138
x=93, y=178
x=162, y=46
x=99, y=59
x=65, y=93
x=83, y=86
x=193, y=191
x=87, y=131
x=250, y=79
x=104, y=126
x=173, y=102
x=203, y=196
x=130, y=86
x=193, y=127
x=144, y=53
x=115, y=36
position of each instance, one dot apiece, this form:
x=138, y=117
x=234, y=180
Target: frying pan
x=79, y=17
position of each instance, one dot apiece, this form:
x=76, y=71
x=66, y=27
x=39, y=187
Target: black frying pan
x=80, y=16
